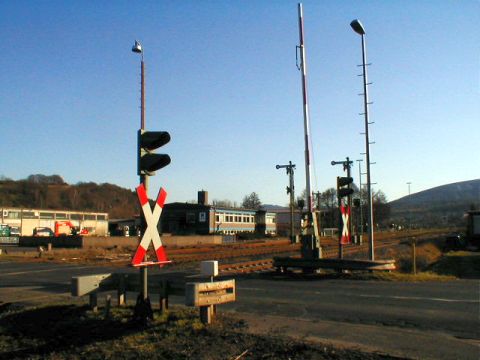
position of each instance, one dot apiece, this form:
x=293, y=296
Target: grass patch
x=74, y=332
x=461, y=264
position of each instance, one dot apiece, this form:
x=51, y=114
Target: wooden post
x=163, y=295
x=206, y=314
x=108, y=304
x=121, y=292
x=94, y=301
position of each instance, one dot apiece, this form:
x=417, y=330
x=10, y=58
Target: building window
x=46, y=215
x=13, y=215
x=101, y=217
x=61, y=216
x=76, y=216
x=190, y=218
x=29, y=215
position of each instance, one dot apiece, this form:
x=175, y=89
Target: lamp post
x=137, y=48
x=359, y=29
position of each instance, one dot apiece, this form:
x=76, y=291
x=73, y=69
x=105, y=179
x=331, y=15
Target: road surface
x=430, y=320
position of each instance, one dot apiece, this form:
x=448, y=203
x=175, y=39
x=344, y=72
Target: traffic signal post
x=147, y=163
x=347, y=165
x=344, y=189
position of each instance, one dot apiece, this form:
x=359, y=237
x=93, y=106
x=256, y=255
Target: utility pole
x=310, y=238
x=291, y=190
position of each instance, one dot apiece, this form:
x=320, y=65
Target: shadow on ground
x=56, y=328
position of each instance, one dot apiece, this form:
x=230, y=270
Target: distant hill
x=274, y=208
x=52, y=192
x=442, y=205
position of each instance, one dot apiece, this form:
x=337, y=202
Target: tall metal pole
x=144, y=181
x=367, y=150
x=359, y=29
x=313, y=246
x=137, y=48
x=360, y=190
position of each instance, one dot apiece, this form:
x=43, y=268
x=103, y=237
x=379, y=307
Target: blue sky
x=221, y=78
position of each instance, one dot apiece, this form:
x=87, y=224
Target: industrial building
x=29, y=219
x=203, y=218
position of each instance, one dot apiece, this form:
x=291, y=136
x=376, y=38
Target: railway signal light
x=341, y=190
x=148, y=161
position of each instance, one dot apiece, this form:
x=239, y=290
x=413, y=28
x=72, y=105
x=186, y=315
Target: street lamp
x=359, y=29
x=137, y=48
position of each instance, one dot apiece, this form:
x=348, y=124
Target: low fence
x=9, y=240
x=112, y=241
x=62, y=241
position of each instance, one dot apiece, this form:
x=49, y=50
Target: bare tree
x=251, y=201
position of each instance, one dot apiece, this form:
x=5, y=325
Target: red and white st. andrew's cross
x=345, y=239
x=151, y=233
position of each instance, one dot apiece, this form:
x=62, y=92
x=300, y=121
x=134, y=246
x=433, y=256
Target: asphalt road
x=432, y=320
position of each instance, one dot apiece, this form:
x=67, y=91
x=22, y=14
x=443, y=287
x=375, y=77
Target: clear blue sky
x=221, y=78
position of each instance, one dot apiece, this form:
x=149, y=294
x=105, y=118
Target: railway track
x=329, y=251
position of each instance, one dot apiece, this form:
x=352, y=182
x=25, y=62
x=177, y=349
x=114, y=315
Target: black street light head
x=357, y=27
x=137, y=47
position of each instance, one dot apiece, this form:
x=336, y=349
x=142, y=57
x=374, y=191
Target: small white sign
x=209, y=268
x=202, y=217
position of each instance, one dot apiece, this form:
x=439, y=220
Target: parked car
x=43, y=231
x=455, y=241
x=4, y=230
x=14, y=231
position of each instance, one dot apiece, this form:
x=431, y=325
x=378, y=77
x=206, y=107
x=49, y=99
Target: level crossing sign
x=151, y=233
x=345, y=211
